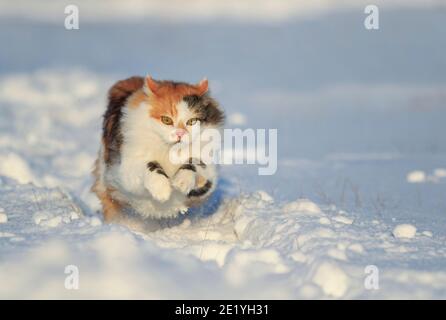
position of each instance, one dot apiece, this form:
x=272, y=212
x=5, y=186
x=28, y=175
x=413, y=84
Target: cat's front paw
x=158, y=186
x=184, y=180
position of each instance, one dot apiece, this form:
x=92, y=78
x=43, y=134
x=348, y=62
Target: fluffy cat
x=143, y=121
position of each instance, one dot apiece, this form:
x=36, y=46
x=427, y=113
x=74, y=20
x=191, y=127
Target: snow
x=248, y=243
x=13, y=166
x=302, y=205
x=419, y=176
x=404, y=231
x=343, y=219
x=332, y=279
x=427, y=233
x=356, y=247
x=361, y=155
x=416, y=176
x=3, y=217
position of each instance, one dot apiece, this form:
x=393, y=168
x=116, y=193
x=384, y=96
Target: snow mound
x=240, y=244
x=237, y=119
x=15, y=167
x=3, y=217
x=332, y=279
x=440, y=173
x=303, y=206
x=417, y=176
x=343, y=219
x=404, y=231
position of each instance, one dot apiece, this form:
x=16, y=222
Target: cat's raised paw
x=184, y=180
x=158, y=186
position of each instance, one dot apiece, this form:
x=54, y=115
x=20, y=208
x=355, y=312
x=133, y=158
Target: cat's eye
x=192, y=121
x=167, y=120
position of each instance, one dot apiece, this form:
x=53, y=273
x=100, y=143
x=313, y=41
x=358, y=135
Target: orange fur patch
x=122, y=88
x=137, y=98
x=166, y=95
x=111, y=207
x=201, y=181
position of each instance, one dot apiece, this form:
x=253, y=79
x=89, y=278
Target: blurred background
x=357, y=110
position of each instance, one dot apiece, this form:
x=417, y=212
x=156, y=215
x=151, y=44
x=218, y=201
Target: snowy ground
x=362, y=158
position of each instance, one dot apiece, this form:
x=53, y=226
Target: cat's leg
x=185, y=178
x=206, y=182
x=157, y=182
x=195, y=179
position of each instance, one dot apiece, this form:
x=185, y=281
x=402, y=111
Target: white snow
x=6, y=235
x=356, y=247
x=332, y=279
x=285, y=250
x=417, y=176
x=13, y=166
x=427, y=233
x=324, y=220
x=243, y=266
x=95, y=221
x=404, y=231
x=237, y=119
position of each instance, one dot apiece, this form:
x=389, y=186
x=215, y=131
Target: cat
x=144, y=119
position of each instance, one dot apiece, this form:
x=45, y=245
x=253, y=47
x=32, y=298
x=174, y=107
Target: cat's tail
x=122, y=89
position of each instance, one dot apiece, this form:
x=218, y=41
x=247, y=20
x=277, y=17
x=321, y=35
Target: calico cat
x=143, y=121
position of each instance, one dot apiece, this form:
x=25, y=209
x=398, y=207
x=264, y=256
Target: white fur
x=144, y=140
x=158, y=186
x=184, y=181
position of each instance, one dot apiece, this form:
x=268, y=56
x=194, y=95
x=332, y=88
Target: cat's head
x=177, y=109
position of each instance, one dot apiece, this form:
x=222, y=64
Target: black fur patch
x=161, y=171
x=200, y=191
x=206, y=108
x=155, y=166
x=197, y=162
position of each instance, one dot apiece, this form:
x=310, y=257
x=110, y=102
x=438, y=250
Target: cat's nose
x=180, y=133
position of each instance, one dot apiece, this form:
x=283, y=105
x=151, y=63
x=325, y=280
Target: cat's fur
x=133, y=169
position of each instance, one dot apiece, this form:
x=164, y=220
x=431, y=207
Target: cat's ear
x=203, y=86
x=150, y=85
